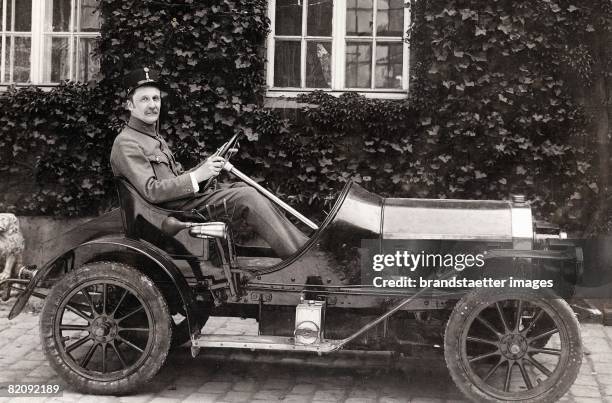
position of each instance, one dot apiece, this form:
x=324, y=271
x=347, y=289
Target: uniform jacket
x=142, y=156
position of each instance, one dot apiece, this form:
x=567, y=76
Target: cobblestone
x=244, y=376
x=202, y=397
x=296, y=399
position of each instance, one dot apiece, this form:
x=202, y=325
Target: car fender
x=141, y=248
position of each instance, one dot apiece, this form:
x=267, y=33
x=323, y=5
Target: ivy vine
x=492, y=108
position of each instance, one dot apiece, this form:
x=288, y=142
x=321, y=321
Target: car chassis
x=140, y=279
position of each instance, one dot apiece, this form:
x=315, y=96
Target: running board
x=277, y=343
x=280, y=343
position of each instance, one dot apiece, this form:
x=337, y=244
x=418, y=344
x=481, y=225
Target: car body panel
x=359, y=223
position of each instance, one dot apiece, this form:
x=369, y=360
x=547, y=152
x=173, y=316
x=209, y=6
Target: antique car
x=140, y=280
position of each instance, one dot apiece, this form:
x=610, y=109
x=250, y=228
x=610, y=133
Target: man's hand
x=211, y=168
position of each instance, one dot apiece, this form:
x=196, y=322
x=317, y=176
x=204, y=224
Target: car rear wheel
x=106, y=328
x=493, y=346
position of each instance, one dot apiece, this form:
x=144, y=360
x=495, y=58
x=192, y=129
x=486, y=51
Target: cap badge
x=146, y=70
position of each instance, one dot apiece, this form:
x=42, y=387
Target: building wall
x=37, y=230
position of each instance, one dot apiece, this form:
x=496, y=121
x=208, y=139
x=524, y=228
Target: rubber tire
x=475, y=299
x=148, y=292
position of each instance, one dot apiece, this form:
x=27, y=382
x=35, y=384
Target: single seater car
x=137, y=281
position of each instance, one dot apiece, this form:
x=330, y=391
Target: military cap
x=139, y=77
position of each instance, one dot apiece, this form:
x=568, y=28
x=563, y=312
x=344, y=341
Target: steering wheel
x=226, y=151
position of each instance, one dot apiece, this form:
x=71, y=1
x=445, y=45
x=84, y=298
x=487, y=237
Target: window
x=47, y=41
x=16, y=40
x=338, y=45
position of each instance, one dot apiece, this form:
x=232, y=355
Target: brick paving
x=238, y=376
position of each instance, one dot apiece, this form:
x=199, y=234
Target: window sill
x=43, y=87
x=373, y=94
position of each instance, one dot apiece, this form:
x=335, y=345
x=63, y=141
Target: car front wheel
x=513, y=345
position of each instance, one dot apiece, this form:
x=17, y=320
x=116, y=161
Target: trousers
x=245, y=203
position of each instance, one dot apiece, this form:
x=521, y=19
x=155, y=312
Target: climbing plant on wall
x=491, y=110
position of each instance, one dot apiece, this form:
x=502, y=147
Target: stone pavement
x=235, y=376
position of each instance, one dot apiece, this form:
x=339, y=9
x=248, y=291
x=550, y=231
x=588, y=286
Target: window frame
x=338, y=67
x=38, y=35
x=8, y=36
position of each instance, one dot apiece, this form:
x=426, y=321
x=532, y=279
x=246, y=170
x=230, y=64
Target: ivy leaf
x=325, y=161
x=424, y=121
x=466, y=14
x=397, y=148
x=506, y=29
x=480, y=31
x=251, y=135
x=240, y=64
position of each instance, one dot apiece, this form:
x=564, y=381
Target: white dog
x=11, y=244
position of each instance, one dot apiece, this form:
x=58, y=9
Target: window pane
x=21, y=66
x=8, y=24
x=57, y=67
x=7, y=62
x=389, y=58
x=359, y=17
x=319, y=21
x=390, y=18
x=318, y=64
x=58, y=16
x=90, y=17
x=88, y=64
x=288, y=17
x=23, y=16
x=287, y=64
x=358, y=65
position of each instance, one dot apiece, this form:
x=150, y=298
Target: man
x=141, y=155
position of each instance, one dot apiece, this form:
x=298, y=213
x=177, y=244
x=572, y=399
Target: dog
x=12, y=245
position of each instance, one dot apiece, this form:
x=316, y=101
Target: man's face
x=145, y=104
